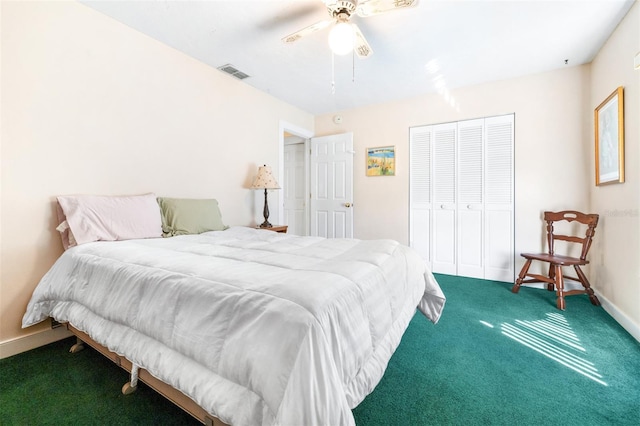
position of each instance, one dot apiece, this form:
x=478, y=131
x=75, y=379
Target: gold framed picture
x=381, y=161
x=609, y=133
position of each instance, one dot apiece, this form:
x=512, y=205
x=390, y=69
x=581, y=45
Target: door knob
x=347, y=205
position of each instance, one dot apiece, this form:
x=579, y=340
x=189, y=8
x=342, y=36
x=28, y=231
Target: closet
x=461, y=197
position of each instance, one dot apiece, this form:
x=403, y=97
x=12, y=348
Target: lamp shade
x=264, y=179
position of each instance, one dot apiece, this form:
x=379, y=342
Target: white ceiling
x=432, y=48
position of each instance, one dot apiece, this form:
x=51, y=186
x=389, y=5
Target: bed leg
x=130, y=387
x=77, y=347
x=127, y=389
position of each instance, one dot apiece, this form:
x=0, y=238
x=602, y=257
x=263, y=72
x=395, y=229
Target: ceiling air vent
x=231, y=70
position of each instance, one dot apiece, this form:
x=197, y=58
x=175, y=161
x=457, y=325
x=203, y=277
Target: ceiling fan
x=344, y=36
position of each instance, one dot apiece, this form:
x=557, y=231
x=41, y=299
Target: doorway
x=294, y=184
x=293, y=169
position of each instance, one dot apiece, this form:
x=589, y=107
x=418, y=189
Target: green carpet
x=485, y=362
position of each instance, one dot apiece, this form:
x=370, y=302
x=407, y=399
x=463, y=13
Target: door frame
x=303, y=133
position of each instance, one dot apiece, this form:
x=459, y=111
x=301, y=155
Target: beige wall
x=554, y=160
x=551, y=165
x=616, y=251
x=91, y=106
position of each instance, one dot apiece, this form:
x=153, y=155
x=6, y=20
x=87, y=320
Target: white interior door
x=331, y=182
x=420, y=144
x=470, y=206
x=294, y=188
x=499, y=193
x=444, y=199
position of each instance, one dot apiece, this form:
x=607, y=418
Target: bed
x=249, y=326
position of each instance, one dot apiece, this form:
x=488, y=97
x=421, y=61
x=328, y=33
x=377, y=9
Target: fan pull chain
x=333, y=74
x=353, y=66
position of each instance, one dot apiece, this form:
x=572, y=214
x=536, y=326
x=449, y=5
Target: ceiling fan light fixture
x=341, y=38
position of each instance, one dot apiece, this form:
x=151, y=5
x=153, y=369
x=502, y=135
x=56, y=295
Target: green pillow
x=182, y=216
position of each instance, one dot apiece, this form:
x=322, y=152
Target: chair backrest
x=591, y=220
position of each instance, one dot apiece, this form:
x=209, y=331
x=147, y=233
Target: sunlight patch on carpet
x=554, y=338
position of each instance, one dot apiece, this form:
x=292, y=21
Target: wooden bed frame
x=169, y=392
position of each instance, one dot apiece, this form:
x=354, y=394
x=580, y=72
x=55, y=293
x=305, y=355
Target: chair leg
x=523, y=273
x=552, y=275
x=560, y=303
x=587, y=286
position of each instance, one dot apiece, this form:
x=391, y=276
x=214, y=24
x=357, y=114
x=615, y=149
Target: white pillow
x=111, y=218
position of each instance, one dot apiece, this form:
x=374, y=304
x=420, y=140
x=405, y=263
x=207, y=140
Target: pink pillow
x=109, y=218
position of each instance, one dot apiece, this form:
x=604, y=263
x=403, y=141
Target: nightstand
x=276, y=228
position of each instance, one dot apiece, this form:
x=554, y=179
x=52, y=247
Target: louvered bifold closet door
x=462, y=197
x=443, y=230
x=499, y=198
x=470, y=206
x=420, y=190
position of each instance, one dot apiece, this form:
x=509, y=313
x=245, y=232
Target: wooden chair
x=555, y=278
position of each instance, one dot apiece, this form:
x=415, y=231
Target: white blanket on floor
x=257, y=327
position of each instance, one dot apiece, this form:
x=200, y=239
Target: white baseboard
x=32, y=341
x=622, y=318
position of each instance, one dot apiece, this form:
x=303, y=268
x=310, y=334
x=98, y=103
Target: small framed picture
x=609, y=132
x=381, y=161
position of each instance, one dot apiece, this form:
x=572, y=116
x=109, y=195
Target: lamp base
x=265, y=213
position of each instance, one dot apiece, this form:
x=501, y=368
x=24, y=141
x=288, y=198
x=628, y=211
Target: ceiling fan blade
x=308, y=30
x=375, y=7
x=361, y=47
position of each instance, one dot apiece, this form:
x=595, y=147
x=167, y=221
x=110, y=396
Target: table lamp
x=265, y=180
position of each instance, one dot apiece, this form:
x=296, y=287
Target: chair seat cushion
x=555, y=259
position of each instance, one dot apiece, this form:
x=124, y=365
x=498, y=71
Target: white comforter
x=257, y=327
